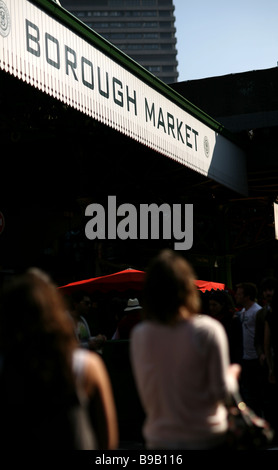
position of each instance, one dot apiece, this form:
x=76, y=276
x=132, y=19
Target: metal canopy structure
x=45, y=46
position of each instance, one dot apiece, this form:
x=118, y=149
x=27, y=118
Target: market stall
x=125, y=280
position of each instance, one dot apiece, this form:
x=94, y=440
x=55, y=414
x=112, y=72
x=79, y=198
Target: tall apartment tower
x=142, y=29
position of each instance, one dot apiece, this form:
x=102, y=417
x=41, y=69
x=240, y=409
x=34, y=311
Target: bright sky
x=219, y=37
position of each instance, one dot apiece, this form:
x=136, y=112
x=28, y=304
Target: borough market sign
x=39, y=49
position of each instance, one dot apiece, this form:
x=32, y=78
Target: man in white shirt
x=245, y=296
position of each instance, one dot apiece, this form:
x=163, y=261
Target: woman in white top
x=180, y=362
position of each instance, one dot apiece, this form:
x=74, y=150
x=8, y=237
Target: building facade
x=123, y=133
x=247, y=105
x=143, y=29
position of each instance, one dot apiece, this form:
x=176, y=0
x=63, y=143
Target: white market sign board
x=38, y=49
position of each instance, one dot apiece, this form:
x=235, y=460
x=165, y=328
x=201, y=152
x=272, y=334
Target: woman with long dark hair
x=44, y=378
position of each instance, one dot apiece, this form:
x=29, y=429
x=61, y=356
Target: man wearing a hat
x=130, y=319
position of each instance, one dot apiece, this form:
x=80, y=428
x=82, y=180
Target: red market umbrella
x=120, y=281
x=204, y=286
x=125, y=280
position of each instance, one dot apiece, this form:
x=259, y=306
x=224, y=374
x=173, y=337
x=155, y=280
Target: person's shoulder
x=208, y=325
x=261, y=312
x=139, y=328
x=203, y=320
x=207, y=331
x=143, y=329
x=95, y=372
x=87, y=359
x=256, y=308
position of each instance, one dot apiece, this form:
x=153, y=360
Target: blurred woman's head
x=170, y=287
x=31, y=307
x=36, y=332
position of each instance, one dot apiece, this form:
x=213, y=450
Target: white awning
x=38, y=48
